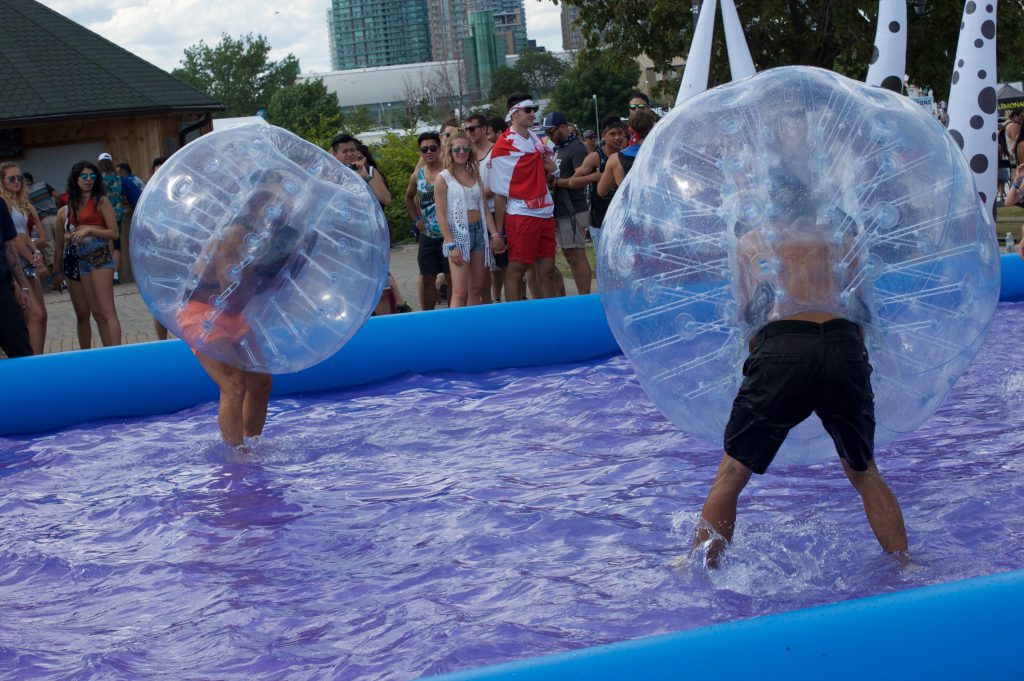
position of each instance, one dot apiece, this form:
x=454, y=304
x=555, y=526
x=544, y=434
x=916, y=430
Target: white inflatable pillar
x=889, y=58
x=973, y=105
x=740, y=64
x=698, y=62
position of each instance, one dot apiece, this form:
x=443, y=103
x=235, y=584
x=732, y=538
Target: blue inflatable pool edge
x=969, y=629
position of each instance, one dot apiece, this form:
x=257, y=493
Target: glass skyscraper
x=378, y=33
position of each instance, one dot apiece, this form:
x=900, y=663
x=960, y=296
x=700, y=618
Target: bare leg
x=580, y=266
x=547, y=277
x=532, y=287
x=257, y=398
x=719, y=513
x=514, y=280
x=477, y=279
x=428, y=292
x=35, y=318
x=458, y=292
x=232, y=382
x=880, y=506
x=101, y=301
x=497, y=284
x=83, y=313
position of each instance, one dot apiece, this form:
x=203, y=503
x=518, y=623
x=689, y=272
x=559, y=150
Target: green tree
x=540, y=70
x=397, y=156
x=603, y=73
x=359, y=120
x=833, y=34
x=505, y=81
x=237, y=72
x=304, y=107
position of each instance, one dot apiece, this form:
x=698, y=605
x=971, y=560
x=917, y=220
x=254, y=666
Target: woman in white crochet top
x=467, y=225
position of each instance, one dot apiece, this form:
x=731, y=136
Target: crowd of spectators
x=491, y=199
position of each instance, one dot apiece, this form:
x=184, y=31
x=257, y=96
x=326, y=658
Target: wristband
x=1015, y=185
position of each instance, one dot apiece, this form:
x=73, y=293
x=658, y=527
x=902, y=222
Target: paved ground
x=137, y=322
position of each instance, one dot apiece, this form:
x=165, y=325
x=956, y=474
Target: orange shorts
x=530, y=238
x=192, y=322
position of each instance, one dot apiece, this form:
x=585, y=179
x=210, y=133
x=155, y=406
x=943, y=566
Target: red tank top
x=89, y=214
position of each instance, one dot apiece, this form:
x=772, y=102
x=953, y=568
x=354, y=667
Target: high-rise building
x=378, y=33
x=482, y=53
x=509, y=22
x=572, y=38
x=449, y=28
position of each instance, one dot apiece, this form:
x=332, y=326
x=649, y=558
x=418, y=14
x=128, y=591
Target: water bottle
x=1009, y=243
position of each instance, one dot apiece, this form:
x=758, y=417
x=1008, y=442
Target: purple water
x=436, y=523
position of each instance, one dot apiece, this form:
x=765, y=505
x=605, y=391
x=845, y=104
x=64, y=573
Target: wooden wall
x=136, y=141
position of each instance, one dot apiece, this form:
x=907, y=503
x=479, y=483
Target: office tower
x=365, y=33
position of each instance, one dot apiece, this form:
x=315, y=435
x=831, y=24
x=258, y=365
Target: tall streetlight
x=597, y=121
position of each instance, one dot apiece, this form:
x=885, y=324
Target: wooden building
x=67, y=94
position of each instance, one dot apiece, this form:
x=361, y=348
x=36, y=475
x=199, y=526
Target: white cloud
x=544, y=23
x=160, y=30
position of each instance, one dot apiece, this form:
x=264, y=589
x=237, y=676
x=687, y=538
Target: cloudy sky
x=160, y=30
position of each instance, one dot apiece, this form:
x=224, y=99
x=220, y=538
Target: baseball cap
x=589, y=134
x=554, y=119
x=105, y=157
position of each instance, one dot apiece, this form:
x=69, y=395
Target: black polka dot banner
x=972, y=97
x=889, y=57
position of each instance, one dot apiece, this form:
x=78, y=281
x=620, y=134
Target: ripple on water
x=441, y=522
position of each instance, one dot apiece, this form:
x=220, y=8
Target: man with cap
x=520, y=171
x=572, y=214
x=590, y=140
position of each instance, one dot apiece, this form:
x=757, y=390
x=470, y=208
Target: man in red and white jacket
x=521, y=169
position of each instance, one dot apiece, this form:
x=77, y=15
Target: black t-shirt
x=569, y=158
x=7, y=232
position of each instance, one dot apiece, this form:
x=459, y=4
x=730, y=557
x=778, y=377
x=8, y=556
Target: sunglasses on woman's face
x=637, y=106
x=87, y=176
x=461, y=150
x=429, y=149
x=14, y=178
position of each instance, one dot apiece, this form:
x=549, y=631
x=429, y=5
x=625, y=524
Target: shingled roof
x=53, y=69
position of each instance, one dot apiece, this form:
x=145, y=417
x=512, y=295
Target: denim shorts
x=90, y=257
x=477, y=238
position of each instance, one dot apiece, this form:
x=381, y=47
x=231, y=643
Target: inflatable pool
x=932, y=631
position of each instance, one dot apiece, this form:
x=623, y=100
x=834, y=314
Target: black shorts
x=797, y=368
x=429, y=257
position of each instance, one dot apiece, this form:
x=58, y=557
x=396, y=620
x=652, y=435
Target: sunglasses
x=429, y=149
x=14, y=178
x=529, y=109
x=87, y=176
x=461, y=150
x=637, y=106
x=471, y=128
